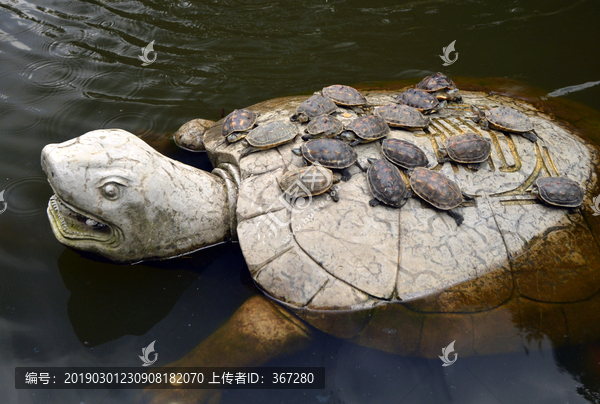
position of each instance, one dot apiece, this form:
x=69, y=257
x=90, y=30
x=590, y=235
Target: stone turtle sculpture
x=407, y=281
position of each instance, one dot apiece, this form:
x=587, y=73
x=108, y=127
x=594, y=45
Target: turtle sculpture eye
x=111, y=191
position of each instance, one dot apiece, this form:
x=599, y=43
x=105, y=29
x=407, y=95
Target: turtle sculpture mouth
x=71, y=226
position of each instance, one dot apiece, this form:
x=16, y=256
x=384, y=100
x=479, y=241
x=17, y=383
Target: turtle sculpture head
x=117, y=197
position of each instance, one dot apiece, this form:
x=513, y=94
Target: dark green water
x=72, y=66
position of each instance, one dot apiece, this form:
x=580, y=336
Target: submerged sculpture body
x=348, y=268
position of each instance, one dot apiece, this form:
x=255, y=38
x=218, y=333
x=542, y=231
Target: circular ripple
x=27, y=197
x=51, y=74
x=21, y=120
x=135, y=122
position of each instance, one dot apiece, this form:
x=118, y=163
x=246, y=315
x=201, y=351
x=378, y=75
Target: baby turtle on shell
x=404, y=154
x=311, y=108
x=308, y=181
x=323, y=126
x=238, y=123
x=441, y=86
x=506, y=120
x=269, y=135
x=366, y=129
x=330, y=153
x=421, y=100
x=439, y=191
x=344, y=95
x=559, y=191
x=402, y=116
x=386, y=184
x=468, y=148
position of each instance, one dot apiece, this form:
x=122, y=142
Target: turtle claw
x=374, y=202
x=531, y=136
x=346, y=174
x=458, y=218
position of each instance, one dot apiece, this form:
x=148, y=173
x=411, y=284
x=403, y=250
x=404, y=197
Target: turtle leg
x=443, y=157
x=531, y=136
x=259, y=331
x=249, y=150
x=405, y=200
x=458, y=217
x=474, y=166
x=374, y=202
x=346, y=174
x=307, y=137
x=468, y=197
x=356, y=142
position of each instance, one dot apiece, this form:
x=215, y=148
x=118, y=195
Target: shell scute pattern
x=238, y=121
x=272, y=134
x=344, y=95
x=509, y=120
x=419, y=99
x=369, y=127
x=436, y=189
x=468, y=148
x=560, y=191
x=402, y=116
x=386, y=183
x=330, y=153
x=404, y=154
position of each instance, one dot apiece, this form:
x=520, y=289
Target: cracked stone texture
x=349, y=255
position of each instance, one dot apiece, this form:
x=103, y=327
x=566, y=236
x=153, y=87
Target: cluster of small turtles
x=329, y=144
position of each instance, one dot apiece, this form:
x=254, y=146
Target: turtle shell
x=436, y=189
x=435, y=82
x=508, y=119
x=272, y=134
x=419, y=99
x=314, y=106
x=404, y=154
x=344, y=95
x=330, y=153
x=560, y=191
x=238, y=121
x=386, y=184
x=369, y=127
x=306, y=181
x=324, y=125
x=468, y=148
x=402, y=116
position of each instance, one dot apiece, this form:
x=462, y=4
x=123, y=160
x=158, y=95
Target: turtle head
x=348, y=136
x=117, y=197
x=297, y=151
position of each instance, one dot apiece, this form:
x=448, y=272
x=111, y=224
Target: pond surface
x=67, y=67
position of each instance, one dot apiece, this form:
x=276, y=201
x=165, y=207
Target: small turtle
x=308, y=181
x=439, y=191
x=402, y=116
x=559, y=191
x=238, y=123
x=441, y=86
x=366, y=129
x=330, y=153
x=323, y=126
x=404, y=154
x=386, y=184
x=468, y=148
x=421, y=100
x=344, y=95
x=269, y=135
x=507, y=120
x=314, y=106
